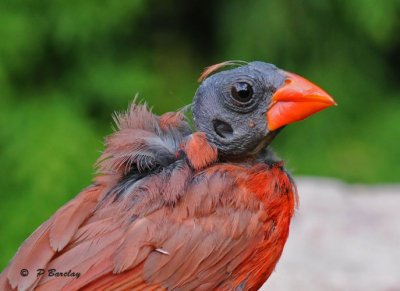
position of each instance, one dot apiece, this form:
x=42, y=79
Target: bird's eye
x=242, y=92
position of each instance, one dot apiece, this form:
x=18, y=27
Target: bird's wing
x=143, y=239
x=81, y=228
x=51, y=237
x=197, y=243
x=175, y=224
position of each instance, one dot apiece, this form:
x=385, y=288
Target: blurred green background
x=66, y=66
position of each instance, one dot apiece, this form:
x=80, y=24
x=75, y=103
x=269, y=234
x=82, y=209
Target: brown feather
x=211, y=69
x=68, y=218
x=176, y=223
x=172, y=120
x=34, y=253
x=4, y=282
x=199, y=152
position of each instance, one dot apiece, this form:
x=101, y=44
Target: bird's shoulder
x=160, y=195
x=143, y=144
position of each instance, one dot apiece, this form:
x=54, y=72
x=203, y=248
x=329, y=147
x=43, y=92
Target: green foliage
x=350, y=49
x=65, y=66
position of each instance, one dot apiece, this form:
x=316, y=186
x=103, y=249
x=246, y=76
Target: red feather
x=164, y=214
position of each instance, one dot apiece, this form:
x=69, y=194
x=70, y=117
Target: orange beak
x=297, y=99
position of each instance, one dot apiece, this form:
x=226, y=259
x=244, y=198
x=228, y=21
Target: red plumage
x=215, y=220
x=167, y=211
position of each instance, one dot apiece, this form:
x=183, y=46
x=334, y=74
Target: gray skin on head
x=237, y=127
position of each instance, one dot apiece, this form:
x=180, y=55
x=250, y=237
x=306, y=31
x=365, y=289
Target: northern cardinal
x=176, y=209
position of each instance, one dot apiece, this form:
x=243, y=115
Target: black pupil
x=242, y=92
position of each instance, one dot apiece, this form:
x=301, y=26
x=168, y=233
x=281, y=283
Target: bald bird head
x=241, y=110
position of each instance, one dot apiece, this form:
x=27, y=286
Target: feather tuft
x=212, y=69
